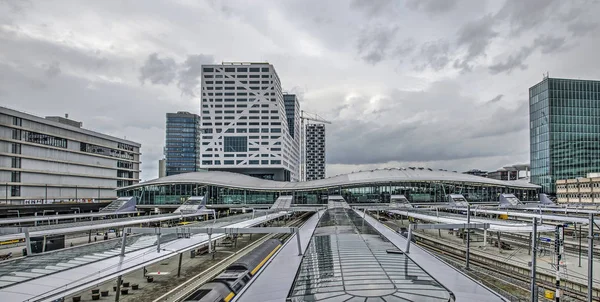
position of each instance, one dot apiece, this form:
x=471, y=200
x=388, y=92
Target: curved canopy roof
x=236, y=180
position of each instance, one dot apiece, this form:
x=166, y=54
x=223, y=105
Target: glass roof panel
x=346, y=260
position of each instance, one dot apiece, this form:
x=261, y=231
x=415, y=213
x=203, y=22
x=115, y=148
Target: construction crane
x=308, y=117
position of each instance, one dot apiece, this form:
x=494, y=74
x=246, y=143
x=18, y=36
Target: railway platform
x=274, y=282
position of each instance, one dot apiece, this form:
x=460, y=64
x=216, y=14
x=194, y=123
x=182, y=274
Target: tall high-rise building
x=245, y=124
x=45, y=160
x=182, y=150
x=564, y=116
x=315, y=151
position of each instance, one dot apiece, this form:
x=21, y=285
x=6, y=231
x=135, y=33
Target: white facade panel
x=54, y=167
x=244, y=120
x=4, y=177
x=55, y=179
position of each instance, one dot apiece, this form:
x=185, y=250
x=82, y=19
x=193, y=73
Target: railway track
x=189, y=286
x=572, y=289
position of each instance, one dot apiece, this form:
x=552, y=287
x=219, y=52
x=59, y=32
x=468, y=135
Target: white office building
x=244, y=122
x=53, y=159
x=315, y=151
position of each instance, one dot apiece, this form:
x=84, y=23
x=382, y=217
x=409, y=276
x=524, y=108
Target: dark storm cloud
x=190, y=71
x=374, y=42
x=476, y=36
x=432, y=6
x=434, y=54
x=496, y=99
x=157, y=70
x=581, y=28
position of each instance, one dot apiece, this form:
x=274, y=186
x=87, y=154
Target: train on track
x=229, y=283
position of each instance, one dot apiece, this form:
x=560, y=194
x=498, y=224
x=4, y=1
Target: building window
x=15, y=176
x=235, y=144
x=44, y=139
x=15, y=191
x=16, y=148
x=16, y=162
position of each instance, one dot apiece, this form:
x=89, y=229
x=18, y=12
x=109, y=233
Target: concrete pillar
x=118, y=289
x=179, y=266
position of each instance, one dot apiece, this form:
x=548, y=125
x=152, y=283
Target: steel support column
x=533, y=252
x=590, y=258
x=408, y=238
x=123, y=242
x=298, y=242
x=118, y=289
x=27, y=242
x=179, y=266
x=468, y=253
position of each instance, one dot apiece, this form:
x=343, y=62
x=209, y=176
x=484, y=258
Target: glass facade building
x=223, y=188
x=564, y=117
x=182, y=143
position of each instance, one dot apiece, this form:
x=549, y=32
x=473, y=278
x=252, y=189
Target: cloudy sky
x=440, y=84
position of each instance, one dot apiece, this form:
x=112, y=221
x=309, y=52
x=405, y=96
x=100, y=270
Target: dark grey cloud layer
x=434, y=83
x=164, y=71
x=158, y=71
x=374, y=43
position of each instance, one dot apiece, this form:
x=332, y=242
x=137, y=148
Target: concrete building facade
x=245, y=123
x=45, y=160
x=182, y=143
x=315, y=151
x=579, y=190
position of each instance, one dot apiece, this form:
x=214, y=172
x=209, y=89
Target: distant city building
x=182, y=151
x=513, y=172
x=315, y=151
x=45, y=160
x=292, y=113
x=162, y=167
x=503, y=174
x=245, y=122
x=476, y=172
x=564, y=130
x=584, y=189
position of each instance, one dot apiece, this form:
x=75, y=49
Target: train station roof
x=348, y=260
x=68, y=272
x=236, y=180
